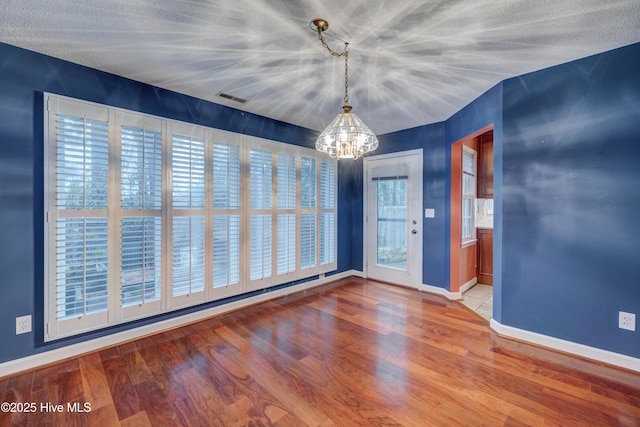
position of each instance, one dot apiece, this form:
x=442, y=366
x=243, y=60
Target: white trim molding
x=464, y=288
x=609, y=357
x=453, y=296
x=74, y=350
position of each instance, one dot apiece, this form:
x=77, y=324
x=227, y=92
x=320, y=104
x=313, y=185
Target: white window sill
x=468, y=243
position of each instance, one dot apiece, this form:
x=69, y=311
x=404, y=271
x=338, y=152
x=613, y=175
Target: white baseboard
x=609, y=357
x=464, y=288
x=441, y=291
x=74, y=350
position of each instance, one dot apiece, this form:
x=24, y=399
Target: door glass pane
x=392, y=222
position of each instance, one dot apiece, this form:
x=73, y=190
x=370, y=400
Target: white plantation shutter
x=327, y=212
x=308, y=203
x=307, y=240
x=260, y=224
x=141, y=223
x=145, y=215
x=287, y=181
x=81, y=252
x=187, y=171
x=308, y=183
x=226, y=250
x=141, y=173
x=226, y=214
x=188, y=225
x=286, y=243
x=260, y=247
x=327, y=185
x=226, y=176
x=286, y=223
x=80, y=233
x=327, y=238
x=260, y=179
x=141, y=260
x=82, y=163
x=188, y=255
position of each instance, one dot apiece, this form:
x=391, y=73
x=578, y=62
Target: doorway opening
x=471, y=229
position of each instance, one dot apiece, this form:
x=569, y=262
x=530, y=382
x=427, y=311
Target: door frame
x=457, y=260
x=418, y=154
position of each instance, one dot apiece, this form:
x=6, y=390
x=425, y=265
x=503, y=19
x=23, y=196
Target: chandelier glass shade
x=346, y=137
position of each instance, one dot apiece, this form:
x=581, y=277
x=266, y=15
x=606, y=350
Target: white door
x=393, y=217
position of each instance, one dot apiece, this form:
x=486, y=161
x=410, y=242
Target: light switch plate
x=429, y=213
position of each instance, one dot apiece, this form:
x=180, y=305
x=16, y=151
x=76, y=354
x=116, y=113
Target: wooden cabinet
x=485, y=166
x=485, y=256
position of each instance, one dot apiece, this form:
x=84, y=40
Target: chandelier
x=346, y=137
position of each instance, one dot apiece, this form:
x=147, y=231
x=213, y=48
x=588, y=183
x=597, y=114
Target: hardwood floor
x=355, y=352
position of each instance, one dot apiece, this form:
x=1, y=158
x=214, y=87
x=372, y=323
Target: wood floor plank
x=94, y=381
x=353, y=352
x=122, y=391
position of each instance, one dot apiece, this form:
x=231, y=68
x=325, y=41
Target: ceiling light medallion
x=347, y=137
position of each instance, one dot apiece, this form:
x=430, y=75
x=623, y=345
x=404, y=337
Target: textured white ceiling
x=411, y=62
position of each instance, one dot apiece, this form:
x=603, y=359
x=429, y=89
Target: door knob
x=414, y=231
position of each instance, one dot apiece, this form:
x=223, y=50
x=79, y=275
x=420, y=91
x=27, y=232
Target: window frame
x=471, y=238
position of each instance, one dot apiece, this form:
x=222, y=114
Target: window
x=146, y=215
x=468, y=194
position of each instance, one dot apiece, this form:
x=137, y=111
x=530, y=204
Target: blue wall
x=571, y=200
x=25, y=76
x=567, y=229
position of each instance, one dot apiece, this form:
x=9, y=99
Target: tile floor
x=479, y=299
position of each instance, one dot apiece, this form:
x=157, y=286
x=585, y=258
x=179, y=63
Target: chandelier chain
x=346, y=63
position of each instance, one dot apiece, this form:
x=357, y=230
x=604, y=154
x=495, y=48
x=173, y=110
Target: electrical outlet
x=627, y=321
x=23, y=324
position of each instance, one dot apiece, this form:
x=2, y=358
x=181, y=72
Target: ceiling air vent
x=231, y=97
